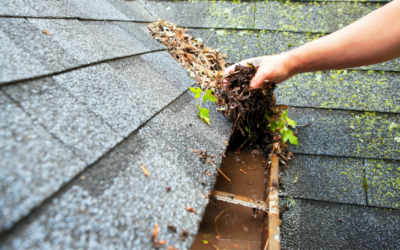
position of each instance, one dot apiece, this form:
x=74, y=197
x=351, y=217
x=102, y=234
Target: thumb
x=258, y=79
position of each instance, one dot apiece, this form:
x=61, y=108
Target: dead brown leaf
x=202, y=63
x=46, y=32
x=155, y=231
x=172, y=227
x=184, y=234
x=190, y=209
x=145, y=171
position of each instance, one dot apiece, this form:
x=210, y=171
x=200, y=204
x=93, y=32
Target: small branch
x=216, y=228
x=242, y=145
x=219, y=170
x=266, y=245
x=303, y=125
x=207, y=160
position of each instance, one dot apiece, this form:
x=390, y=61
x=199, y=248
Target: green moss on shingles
x=365, y=185
x=310, y=16
x=336, y=89
x=384, y=183
x=233, y=15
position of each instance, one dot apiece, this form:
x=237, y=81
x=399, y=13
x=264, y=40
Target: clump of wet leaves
x=203, y=63
x=254, y=112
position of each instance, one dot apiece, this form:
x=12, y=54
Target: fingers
x=258, y=79
x=232, y=67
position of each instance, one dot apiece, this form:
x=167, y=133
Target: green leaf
x=209, y=96
x=196, y=91
x=267, y=115
x=290, y=201
x=204, y=114
x=212, y=98
x=370, y=72
x=248, y=131
x=288, y=135
x=284, y=115
x=291, y=122
x=277, y=125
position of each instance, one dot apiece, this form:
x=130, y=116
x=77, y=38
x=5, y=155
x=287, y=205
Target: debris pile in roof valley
x=202, y=63
x=254, y=112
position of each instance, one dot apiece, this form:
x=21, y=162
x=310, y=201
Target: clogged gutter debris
x=254, y=112
x=203, y=64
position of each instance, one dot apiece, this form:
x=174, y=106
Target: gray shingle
x=308, y=16
x=206, y=14
x=124, y=93
x=172, y=70
x=343, y=89
x=180, y=125
x=316, y=225
x=346, y=133
x=14, y=61
x=34, y=164
x=84, y=9
x=383, y=183
x=63, y=116
x=240, y=45
x=116, y=206
x=327, y=178
x=72, y=44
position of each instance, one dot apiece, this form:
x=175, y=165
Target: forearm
x=373, y=39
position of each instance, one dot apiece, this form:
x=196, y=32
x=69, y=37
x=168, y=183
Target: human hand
x=271, y=68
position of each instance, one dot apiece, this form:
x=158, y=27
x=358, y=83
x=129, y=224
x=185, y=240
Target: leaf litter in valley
x=253, y=112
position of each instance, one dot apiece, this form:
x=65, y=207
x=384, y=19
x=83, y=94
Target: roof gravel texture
x=85, y=104
x=349, y=155
x=87, y=96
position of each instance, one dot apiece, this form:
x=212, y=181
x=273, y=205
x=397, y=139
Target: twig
x=215, y=247
x=219, y=170
x=234, y=125
x=266, y=244
x=242, y=145
x=231, y=74
x=303, y=125
x=197, y=152
x=216, y=228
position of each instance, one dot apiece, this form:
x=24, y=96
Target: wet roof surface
x=85, y=105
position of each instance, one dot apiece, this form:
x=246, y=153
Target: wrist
x=292, y=62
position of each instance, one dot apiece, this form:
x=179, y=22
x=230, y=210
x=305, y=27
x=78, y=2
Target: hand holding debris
x=269, y=69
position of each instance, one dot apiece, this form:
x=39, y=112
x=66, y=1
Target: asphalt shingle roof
x=84, y=107
x=81, y=109
x=351, y=140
